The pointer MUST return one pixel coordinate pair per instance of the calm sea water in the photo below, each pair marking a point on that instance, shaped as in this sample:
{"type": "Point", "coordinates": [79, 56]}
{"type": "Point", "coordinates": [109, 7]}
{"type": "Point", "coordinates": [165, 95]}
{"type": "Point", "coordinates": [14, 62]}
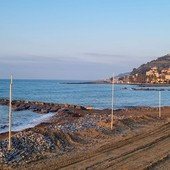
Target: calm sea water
{"type": "Point", "coordinates": [96, 95]}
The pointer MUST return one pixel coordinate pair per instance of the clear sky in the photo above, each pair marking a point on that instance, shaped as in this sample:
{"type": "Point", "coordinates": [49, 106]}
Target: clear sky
{"type": "Point", "coordinates": [80, 39]}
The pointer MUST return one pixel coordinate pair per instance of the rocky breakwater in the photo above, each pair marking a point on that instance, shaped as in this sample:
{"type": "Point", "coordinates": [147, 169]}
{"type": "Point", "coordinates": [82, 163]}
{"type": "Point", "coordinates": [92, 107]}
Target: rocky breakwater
{"type": "Point", "coordinates": [150, 89]}
{"type": "Point", "coordinates": [39, 107]}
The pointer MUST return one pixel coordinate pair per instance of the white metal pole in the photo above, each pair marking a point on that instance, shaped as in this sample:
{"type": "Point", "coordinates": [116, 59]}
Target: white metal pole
{"type": "Point", "coordinates": [159, 103]}
{"type": "Point", "coordinates": [112, 102]}
{"type": "Point", "coordinates": [10, 114]}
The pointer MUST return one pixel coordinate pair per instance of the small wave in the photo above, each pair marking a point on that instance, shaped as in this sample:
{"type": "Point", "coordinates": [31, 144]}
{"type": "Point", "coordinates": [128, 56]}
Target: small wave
{"type": "Point", "coordinates": [34, 122]}
{"type": "Point", "coordinates": [43, 117]}
{"type": "Point", "coordinates": [27, 124]}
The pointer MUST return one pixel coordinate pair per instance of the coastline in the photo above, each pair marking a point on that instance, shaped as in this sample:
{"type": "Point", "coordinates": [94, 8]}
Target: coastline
{"type": "Point", "coordinates": [106, 82]}
{"type": "Point", "coordinates": [73, 131]}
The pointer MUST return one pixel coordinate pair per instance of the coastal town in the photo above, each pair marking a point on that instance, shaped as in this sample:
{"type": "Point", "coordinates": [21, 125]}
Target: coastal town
{"type": "Point", "coordinates": [153, 72]}
{"type": "Point", "coordinates": [153, 76]}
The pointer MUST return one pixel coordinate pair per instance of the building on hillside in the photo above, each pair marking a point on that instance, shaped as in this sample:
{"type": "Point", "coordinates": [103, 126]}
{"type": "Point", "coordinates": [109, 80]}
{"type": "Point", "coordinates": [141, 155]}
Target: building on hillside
{"type": "Point", "coordinates": [153, 72]}
{"type": "Point", "coordinates": [167, 77]}
{"type": "Point", "coordinates": [153, 76]}
{"type": "Point", "coordinates": [166, 71]}
{"type": "Point", "coordinates": [149, 73]}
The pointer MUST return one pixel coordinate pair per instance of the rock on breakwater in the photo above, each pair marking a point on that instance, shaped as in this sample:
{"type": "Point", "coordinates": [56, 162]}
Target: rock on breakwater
{"type": "Point", "coordinates": [39, 107]}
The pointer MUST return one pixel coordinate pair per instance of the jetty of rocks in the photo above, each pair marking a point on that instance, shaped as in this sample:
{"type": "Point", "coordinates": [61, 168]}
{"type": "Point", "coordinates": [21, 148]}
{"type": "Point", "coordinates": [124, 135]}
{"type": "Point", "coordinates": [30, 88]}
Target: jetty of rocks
{"type": "Point", "coordinates": [39, 107]}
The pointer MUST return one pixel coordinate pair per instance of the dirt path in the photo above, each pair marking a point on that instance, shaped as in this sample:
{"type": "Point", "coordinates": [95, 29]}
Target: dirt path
{"type": "Point", "coordinates": [145, 151]}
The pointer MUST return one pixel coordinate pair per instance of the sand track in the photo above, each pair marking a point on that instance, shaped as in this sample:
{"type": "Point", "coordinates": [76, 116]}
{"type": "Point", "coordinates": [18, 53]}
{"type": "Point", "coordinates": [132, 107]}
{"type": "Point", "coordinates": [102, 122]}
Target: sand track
{"type": "Point", "coordinates": [148, 150]}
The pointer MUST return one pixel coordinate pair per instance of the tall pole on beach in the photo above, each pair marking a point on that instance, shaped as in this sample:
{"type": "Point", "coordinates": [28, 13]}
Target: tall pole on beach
{"type": "Point", "coordinates": [112, 102]}
{"type": "Point", "coordinates": [160, 104]}
{"type": "Point", "coordinates": [10, 114]}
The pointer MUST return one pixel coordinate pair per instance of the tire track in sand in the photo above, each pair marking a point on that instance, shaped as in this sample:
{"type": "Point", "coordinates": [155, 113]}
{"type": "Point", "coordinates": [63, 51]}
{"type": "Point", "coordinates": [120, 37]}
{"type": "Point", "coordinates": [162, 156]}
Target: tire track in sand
{"type": "Point", "coordinates": [138, 152]}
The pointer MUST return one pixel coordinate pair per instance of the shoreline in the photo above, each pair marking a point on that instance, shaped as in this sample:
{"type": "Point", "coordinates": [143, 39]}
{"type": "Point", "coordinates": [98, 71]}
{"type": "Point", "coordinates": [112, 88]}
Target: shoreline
{"type": "Point", "coordinates": [106, 82]}
{"type": "Point", "coordinates": [45, 107]}
{"type": "Point", "coordinates": [58, 110]}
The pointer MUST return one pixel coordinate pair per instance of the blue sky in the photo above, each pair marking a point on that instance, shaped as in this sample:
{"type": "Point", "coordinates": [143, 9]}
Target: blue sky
{"type": "Point", "coordinates": [80, 39]}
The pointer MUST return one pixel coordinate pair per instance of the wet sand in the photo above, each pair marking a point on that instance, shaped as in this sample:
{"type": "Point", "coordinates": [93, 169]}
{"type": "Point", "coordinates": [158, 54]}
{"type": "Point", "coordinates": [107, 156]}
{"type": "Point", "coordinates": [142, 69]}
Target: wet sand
{"type": "Point", "coordinates": [82, 139]}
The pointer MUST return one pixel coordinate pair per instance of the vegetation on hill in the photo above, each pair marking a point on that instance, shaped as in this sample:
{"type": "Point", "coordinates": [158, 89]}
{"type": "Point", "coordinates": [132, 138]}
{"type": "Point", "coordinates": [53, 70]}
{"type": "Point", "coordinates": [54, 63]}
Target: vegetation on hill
{"type": "Point", "coordinates": [161, 63]}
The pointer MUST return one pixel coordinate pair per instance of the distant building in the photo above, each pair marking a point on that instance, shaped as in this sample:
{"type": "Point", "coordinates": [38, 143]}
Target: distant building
{"type": "Point", "coordinates": [152, 72]}
{"type": "Point", "coordinates": [166, 71]}
{"type": "Point", "coordinates": [164, 76]}
{"type": "Point", "coordinates": [149, 73]}
{"type": "Point", "coordinates": [167, 77]}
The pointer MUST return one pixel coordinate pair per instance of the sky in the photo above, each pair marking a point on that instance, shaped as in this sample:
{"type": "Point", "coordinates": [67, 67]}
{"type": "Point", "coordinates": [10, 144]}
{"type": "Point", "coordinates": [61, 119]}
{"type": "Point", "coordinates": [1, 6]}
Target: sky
{"type": "Point", "coordinates": [80, 39]}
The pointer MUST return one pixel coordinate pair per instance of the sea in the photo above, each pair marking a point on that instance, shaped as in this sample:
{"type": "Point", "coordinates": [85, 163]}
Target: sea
{"type": "Point", "coordinates": [99, 96]}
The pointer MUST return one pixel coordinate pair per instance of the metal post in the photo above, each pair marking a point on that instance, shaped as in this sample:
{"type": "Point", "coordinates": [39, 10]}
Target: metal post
{"type": "Point", "coordinates": [112, 102]}
{"type": "Point", "coordinates": [10, 114]}
{"type": "Point", "coordinates": [160, 104]}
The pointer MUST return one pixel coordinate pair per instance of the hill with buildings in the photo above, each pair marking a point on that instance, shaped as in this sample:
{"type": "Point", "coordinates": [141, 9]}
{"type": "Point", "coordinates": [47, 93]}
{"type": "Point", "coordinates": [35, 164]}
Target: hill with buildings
{"type": "Point", "coordinates": [156, 72]}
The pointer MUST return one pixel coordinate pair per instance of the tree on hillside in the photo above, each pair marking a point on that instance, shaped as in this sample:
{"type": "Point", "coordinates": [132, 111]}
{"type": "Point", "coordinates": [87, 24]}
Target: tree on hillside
{"type": "Point", "coordinates": [141, 78]}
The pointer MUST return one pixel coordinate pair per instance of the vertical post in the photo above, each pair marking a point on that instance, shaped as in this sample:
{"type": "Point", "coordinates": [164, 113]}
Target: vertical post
{"type": "Point", "coordinates": [10, 114]}
{"type": "Point", "coordinates": [112, 102]}
{"type": "Point", "coordinates": [160, 104]}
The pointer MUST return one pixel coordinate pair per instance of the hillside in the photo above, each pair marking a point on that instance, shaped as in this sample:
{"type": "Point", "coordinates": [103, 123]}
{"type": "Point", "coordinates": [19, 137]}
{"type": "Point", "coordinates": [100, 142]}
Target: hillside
{"type": "Point", "coordinates": [161, 63]}
{"type": "Point", "coordinates": [153, 72]}
{"type": "Point", "coordinates": [122, 75]}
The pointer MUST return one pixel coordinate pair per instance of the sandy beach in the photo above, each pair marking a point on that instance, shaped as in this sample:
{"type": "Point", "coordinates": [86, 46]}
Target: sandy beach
{"type": "Point", "coordinates": [76, 138]}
